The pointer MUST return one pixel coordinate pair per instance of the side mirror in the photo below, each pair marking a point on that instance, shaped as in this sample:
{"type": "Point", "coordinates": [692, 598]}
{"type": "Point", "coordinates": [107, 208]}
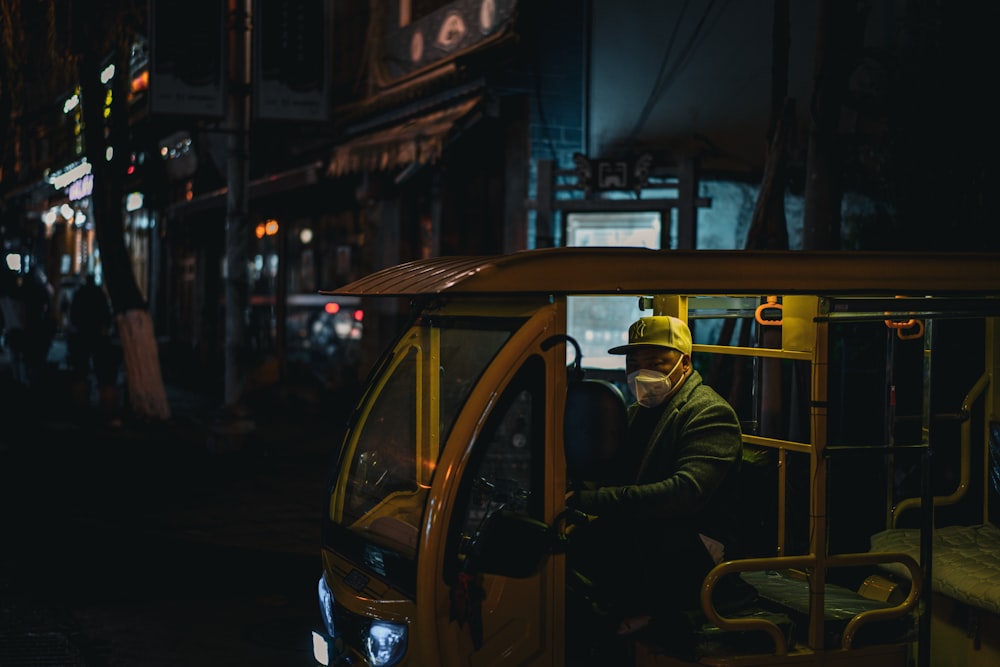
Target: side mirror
{"type": "Point", "coordinates": [510, 545]}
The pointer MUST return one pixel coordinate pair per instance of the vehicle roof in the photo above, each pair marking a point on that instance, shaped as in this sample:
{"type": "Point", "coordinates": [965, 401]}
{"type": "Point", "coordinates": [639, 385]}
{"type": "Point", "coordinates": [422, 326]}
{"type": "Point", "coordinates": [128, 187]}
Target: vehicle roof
{"type": "Point", "coordinates": [600, 270]}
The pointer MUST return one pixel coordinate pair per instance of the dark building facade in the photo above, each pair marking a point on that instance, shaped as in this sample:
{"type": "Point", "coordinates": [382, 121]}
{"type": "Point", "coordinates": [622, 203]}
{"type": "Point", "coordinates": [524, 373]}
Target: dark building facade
{"type": "Point", "coordinates": [391, 130]}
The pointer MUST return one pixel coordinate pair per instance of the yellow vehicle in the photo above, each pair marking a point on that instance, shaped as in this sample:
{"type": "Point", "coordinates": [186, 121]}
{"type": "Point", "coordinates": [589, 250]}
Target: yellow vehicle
{"type": "Point", "coordinates": [448, 541]}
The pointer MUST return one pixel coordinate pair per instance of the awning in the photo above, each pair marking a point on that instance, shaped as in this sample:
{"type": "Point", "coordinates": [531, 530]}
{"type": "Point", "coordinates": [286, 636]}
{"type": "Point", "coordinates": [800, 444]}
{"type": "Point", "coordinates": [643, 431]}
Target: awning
{"type": "Point", "coordinates": [417, 141]}
{"type": "Point", "coordinates": [261, 187]}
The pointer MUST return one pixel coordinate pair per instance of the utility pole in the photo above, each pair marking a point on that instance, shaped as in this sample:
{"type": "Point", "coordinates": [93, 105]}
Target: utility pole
{"type": "Point", "coordinates": [236, 418]}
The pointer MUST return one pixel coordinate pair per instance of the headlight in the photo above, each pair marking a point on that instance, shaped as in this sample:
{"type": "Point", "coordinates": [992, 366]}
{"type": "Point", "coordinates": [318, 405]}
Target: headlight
{"type": "Point", "coordinates": [326, 606]}
{"type": "Point", "coordinates": [385, 643]}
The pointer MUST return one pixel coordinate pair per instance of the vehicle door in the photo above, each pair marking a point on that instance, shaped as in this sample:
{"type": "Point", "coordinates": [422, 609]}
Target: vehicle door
{"type": "Point", "coordinates": [512, 460]}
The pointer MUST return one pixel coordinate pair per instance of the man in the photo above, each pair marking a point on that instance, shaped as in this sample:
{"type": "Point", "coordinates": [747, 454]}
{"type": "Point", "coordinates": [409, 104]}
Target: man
{"type": "Point", "coordinates": [673, 498]}
{"type": "Point", "coordinates": [39, 324]}
{"type": "Point", "coordinates": [12, 323]}
{"type": "Point", "coordinates": [89, 333]}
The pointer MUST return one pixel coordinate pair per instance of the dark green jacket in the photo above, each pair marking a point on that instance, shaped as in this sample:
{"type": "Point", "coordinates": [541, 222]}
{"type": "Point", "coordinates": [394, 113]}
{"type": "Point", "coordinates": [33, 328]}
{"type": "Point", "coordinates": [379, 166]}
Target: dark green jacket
{"type": "Point", "coordinates": [688, 470]}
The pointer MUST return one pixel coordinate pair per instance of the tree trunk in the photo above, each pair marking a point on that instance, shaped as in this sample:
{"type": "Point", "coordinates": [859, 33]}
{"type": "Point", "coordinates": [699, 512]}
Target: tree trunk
{"type": "Point", "coordinates": [237, 232]}
{"type": "Point", "coordinates": [768, 226]}
{"type": "Point", "coordinates": [838, 45]}
{"type": "Point", "coordinates": [769, 231]}
{"type": "Point", "coordinates": [146, 393]}
{"type": "Point", "coordinates": [147, 397]}
{"type": "Point", "coordinates": [12, 101]}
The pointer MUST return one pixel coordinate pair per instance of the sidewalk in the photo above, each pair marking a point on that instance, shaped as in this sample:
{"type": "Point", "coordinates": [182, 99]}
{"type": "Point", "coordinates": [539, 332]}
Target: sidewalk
{"type": "Point", "coordinates": [262, 488]}
{"type": "Point", "coordinates": [73, 479]}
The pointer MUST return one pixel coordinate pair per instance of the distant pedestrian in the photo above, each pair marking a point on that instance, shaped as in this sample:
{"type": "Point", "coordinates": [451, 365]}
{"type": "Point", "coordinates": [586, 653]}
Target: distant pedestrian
{"type": "Point", "coordinates": [13, 320]}
{"type": "Point", "coordinates": [89, 335]}
{"type": "Point", "coordinates": [40, 324]}
{"type": "Point", "coordinates": [65, 297]}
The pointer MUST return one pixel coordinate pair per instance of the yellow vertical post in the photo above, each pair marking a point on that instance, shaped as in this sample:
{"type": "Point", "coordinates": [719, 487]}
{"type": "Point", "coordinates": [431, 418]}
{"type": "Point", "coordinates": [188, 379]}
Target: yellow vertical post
{"type": "Point", "coordinates": [992, 407]}
{"type": "Point", "coordinates": [798, 334]}
{"type": "Point", "coordinates": [428, 407]}
{"type": "Point", "coordinates": [817, 500]}
{"type": "Point", "coordinates": [671, 304]}
{"type": "Point", "coordinates": [782, 499]}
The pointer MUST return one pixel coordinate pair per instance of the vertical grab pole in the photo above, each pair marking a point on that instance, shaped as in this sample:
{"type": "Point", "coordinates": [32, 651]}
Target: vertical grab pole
{"type": "Point", "coordinates": [992, 405]}
{"type": "Point", "coordinates": [782, 499]}
{"type": "Point", "coordinates": [817, 500]}
{"type": "Point", "coordinates": [927, 507]}
{"type": "Point", "coordinates": [889, 432]}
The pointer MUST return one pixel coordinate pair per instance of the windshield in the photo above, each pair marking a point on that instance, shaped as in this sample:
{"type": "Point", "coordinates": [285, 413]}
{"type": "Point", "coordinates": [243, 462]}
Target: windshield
{"type": "Point", "coordinates": [392, 454]}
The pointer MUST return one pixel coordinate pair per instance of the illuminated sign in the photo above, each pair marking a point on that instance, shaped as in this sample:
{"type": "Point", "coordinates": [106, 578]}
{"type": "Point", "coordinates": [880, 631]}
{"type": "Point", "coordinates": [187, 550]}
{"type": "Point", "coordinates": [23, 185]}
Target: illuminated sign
{"type": "Point", "coordinates": [80, 188]}
{"type": "Point", "coordinates": [71, 173]}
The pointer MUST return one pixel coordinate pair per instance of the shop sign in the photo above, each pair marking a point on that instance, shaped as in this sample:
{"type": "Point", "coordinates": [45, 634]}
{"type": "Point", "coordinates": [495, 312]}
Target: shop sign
{"type": "Point", "coordinates": [73, 172]}
{"type": "Point", "coordinates": [80, 188]}
{"type": "Point", "coordinates": [604, 175]}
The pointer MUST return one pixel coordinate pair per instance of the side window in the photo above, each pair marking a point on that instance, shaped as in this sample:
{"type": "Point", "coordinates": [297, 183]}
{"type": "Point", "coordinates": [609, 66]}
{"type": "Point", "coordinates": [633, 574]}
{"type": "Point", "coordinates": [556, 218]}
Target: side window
{"type": "Point", "coordinates": [506, 468]}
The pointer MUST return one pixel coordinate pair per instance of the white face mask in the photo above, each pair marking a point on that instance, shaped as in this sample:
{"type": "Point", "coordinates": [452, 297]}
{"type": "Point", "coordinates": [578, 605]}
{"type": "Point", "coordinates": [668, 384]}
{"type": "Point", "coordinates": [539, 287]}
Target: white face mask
{"type": "Point", "coordinates": [652, 388]}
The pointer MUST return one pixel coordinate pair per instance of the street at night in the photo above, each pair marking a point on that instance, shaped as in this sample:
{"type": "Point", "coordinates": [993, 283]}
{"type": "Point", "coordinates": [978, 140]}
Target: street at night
{"type": "Point", "coordinates": [133, 544]}
{"type": "Point", "coordinates": [329, 329]}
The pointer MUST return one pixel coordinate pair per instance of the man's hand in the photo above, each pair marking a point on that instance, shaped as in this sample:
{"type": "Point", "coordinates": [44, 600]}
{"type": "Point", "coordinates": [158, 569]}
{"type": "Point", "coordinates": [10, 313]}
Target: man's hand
{"type": "Point", "coordinates": [574, 516]}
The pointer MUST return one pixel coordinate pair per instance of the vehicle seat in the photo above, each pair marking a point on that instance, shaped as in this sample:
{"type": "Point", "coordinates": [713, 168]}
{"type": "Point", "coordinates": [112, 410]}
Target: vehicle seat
{"type": "Point", "coordinates": [594, 427]}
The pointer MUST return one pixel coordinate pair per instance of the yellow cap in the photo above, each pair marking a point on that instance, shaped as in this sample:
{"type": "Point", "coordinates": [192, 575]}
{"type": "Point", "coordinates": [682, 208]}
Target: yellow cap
{"type": "Point", "coordinates": [658, 330]}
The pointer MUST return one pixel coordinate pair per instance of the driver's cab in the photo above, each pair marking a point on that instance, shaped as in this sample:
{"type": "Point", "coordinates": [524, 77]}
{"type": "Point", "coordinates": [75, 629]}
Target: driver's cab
{"type": "Point", "coordinates": [457, 426]}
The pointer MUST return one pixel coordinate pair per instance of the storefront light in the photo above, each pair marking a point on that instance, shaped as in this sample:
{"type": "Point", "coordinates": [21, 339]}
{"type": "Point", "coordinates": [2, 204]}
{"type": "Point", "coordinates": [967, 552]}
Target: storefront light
{"type": "Point", "coordinates": [133, 201]}
{"type": "Point", "coordinates": [67, 211]}
{"type": "Point", "coordinates": [71, 103]}
{"type": "Point", "coordinates": [267, 228]}
{"type": "Point", "coordinates": [81, 188]}
{"type": "Point", "coordinates": [140, 82]}
{"type": "Point", "coordinates": [342, 326]}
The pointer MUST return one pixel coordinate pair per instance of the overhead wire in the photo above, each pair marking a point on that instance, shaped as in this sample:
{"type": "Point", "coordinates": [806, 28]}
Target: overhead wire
{"type": "Point", "coordinates": [666, 77]}
{"type": "Point", "coordinates": [650, 99]}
